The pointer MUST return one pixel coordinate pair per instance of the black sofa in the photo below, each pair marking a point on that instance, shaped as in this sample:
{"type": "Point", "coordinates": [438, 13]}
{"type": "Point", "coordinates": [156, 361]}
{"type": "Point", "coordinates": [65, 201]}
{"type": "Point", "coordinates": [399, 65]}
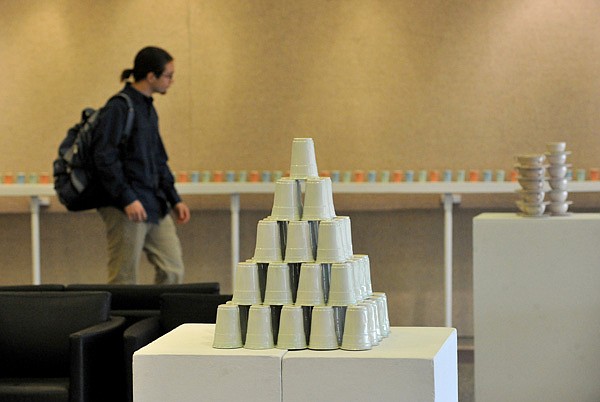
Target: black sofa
{"type": "Point", "coordinates": [59, 347]}
{"type": "Point", "coordinates": [136, 302]}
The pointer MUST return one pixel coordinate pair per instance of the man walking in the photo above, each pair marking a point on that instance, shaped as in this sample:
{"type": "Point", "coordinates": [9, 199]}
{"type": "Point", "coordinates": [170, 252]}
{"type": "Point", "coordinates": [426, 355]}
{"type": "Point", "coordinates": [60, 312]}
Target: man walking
{"type": "Point", "coordinates": [140, 188]}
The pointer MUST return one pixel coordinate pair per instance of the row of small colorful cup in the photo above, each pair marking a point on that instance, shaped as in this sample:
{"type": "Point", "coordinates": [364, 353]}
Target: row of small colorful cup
{"type": "Point", "coordinates": [447, 175]}
{"type": "Point", "coordinates": [348, 176]}
{"type": "Point", "coordinates": [408, 176]}
{"type": "Point", "coordinates": [337, 176]}
{"type": "Point", "coordinates": [218, 176]}
{"type": "Point", "coordinates": [25, 178]}
{"type": "Point", "coordinates": [373, 176]}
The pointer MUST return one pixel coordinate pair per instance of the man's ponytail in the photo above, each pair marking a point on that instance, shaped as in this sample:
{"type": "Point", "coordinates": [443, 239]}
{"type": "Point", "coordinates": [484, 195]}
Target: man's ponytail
{"type": "Point", "coordinates": [126, 74]}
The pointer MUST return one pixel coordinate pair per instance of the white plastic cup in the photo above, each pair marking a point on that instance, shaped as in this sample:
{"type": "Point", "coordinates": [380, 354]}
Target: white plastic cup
{"type": "Point", "coordinates": [366, 272]}
{"type": "Point", "coordinates": [347, 234]}
{"type": "Point", "coordinates": [318, 200]}
{"type": "Point", "coordinates": [329, 195]}
{"type": "Point", "coordinates": [228, 333]}
{"type": "Point", "coordinates": [287, 201]}
{"type": "Point", "coordinates": [304, 161]}
{"type": "Point", "coordinates": [330, 243]}
{"type": "Point", "coordinates": [367, 269]}
{"type": "Point", "coordinates": [384, 319]}
{"type": "Point", "coordinates": [356, 329]}
{"type": "Point", "coordinates": [246, 290]}
{"type": "Point", "coordinates": [299, 246]}
{"type": "Point", "coordinates": [341, 287]}
{"type": "Point", "coordinates": [357, 269]}
{"type": "Point", "coordinates": [310, 285]}
{"type": "Point", "coordinates": [259, 334]}
{"type": "Point", "coordinates": [291, 328]}
{"type": "Point", "coordinates": [322, 329]}
{"type": "Point", "coordinates": [360, 275]}
{"type": "Point", "coordinates": [383, 330]}
{"type": "Point", "coordinates": [374, 328]}
{"type": "Point", "coordinates": [268, 242]}
{"type": "Point", "coordinates": [278, 290]}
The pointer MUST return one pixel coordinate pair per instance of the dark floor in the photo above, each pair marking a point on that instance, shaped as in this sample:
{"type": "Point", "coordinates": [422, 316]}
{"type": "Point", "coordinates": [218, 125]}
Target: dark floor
{"type": "Point", "coordinates": [466, 383]}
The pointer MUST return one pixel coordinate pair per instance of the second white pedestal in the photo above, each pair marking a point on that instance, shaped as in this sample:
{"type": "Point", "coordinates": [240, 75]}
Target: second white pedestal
{"type": "Point", "coordinates": [536, 303]}
{"type": "Point", "coordinates": [413, 364]}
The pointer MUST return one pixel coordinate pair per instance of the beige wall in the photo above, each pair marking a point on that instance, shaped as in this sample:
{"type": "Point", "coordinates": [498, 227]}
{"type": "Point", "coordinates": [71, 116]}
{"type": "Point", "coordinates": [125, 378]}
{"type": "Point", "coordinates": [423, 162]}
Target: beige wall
{"type": "Point", "coordinates": [377, 84]}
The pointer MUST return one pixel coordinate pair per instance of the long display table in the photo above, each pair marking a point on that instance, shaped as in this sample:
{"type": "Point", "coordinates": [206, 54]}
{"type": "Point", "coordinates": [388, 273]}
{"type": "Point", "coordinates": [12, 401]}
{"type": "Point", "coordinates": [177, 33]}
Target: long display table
{"type": "Point", "coordinates": [536, 303]}
{"type": "Point", "coordinates": [413, 364]}
{"type": "Point", "coordinates": [447, 190]}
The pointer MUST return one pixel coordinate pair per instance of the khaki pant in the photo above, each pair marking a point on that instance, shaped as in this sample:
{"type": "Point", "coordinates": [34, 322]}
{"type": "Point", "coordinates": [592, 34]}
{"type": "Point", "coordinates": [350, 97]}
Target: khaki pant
{"type": "Point", "coordinates": [127, 239]}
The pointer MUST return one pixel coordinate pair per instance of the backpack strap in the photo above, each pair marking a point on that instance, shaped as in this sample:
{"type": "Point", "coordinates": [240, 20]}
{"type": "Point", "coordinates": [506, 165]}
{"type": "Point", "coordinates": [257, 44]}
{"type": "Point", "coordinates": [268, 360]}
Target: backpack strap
{"type": "Point", "coordinates": [130, 115]}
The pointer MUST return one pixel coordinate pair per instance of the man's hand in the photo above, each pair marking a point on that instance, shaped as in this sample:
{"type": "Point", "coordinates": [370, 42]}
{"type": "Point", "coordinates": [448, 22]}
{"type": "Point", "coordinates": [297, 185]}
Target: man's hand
{"type": "Point", "coordinates": [136, 212]}
{"type": "Point", "coordinates": [182, 212]}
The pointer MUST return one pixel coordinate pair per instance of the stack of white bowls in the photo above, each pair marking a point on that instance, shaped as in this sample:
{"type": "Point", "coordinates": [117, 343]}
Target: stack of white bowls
{"type": "Point", "coordinates": [532, 176]}
{"type": "Point", "coordinates": [557, 170]}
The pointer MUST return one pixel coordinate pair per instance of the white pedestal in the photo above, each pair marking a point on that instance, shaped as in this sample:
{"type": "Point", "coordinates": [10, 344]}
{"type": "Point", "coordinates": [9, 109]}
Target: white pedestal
{"type": "Point", "coordinates": [183, 366]}
{"type": "Point", "coordinates": [413, 364]}
{"type": "Point", "coordinates": [536, 307]}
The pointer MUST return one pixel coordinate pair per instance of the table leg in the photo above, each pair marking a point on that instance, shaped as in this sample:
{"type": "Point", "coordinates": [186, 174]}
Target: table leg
{"type": "Point", "coordinates": [448, 200]}
{"type": "Point", "coordinates": [35, 239]}
{"type": "Point", "coordinates": [235, 233]}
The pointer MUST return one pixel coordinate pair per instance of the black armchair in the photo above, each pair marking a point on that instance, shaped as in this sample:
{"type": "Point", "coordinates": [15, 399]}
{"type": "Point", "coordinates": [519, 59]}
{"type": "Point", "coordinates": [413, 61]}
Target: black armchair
{"type": "Point", "coordinates": [136, 302]}
{"type": "Point", "coordinates": [59, 346]}
{"type": "Point", "coordinates": [33, 288]}
{"type": "Point", "coordinates": [175, 309]}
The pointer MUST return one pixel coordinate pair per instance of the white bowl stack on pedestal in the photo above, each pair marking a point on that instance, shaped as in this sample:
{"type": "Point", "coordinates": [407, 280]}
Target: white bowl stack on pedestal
{"type": "Point", "coordinates": [532, 177]}
{"type": "Point", "coordinates": [305, 272]}
{"type": "Point", "coordinates": [557, 156]}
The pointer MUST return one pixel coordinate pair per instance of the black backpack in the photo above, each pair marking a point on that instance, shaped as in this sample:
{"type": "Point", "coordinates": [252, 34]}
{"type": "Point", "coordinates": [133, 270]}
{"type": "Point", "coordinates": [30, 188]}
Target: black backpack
{"type": "Point", "coordinates": [75, 179]}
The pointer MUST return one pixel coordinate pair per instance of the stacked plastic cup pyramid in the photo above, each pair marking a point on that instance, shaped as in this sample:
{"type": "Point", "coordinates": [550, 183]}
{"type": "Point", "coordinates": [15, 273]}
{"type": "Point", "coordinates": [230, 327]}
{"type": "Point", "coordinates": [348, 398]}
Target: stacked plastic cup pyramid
{"type": "Point", "coordinates": [304, 287]}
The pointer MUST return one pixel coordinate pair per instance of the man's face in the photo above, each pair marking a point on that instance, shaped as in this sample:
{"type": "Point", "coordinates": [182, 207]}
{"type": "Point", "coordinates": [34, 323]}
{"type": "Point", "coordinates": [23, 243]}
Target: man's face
{"type": "Point", "coordinates": [161, 83]}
